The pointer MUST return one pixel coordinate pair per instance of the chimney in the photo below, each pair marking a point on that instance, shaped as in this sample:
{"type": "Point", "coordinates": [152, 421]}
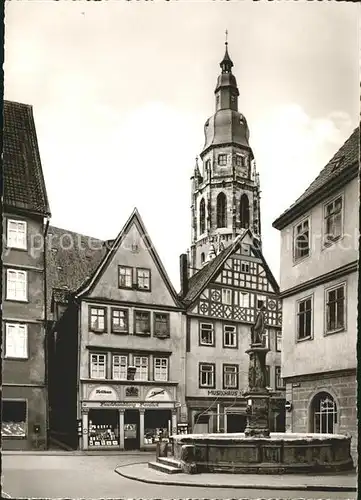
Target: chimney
{"type": "Point", "coordinates": [183, 260]}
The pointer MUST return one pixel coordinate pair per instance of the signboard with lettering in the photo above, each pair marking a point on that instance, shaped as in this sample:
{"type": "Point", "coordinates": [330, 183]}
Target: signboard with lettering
{"type": "Point", "coordinates": [157, 394]}
{"type": "Point", "coordinates": [130, 404]}
{"type": "Point", "coordinates": [227, 393]}
{"type": "Point", "coordinates": [103, 393]}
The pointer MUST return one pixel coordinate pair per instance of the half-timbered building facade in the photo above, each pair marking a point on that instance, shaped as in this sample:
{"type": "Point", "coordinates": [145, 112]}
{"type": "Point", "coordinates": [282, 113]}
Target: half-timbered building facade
{"type": "Point", "coordinates": [222, 301]}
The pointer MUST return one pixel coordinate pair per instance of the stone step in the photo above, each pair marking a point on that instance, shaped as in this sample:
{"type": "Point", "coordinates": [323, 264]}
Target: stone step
{"type": "Point", "coordinates": [168, 469]}
{"type": "Point", "coordinates": [169, 461]}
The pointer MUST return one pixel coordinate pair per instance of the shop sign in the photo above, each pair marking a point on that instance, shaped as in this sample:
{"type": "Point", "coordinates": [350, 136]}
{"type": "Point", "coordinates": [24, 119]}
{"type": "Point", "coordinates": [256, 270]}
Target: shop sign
{"type": "Point", "coordinates": [157, 394]}
{"type": "Point", "coordinates": [227, 393]}
{"type": "Point", "coordinates": [130, 404]}
{"type": "Point", "coordinates": [103, 392]}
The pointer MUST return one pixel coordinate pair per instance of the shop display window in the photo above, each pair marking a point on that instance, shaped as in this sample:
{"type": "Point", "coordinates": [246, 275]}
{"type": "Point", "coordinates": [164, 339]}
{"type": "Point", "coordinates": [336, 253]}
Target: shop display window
{"type": "Point", "coordinates": [156, 425]}
{"type": "Point", "coordinates": [103, 428]}
{"type": "Point", "coordinates": [13, 419]}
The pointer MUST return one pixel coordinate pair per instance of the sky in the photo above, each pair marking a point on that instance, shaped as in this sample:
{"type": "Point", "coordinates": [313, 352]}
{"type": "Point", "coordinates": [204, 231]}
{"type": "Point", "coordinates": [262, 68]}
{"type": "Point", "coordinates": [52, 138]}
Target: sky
{"type": "Point", "coordinates": [121, 91]}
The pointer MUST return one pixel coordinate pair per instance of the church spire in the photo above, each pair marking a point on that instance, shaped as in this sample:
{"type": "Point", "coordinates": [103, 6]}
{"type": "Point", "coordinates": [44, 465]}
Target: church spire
{"type": "Point", "coordinates": [226, 64]}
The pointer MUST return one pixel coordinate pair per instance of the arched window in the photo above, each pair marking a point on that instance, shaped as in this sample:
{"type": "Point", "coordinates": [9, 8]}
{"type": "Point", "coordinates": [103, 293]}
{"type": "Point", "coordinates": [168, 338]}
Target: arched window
{"type": "Point", "coordinates": [203, 258]}
{"type": "Point", "coordinates": [324, 413]}
{"type": "Point", "coordinates": [202, 216]}
{"type": "Point", "coordinates": [221, 210]}
{"type": "Point", "coordinates": [244, 211]}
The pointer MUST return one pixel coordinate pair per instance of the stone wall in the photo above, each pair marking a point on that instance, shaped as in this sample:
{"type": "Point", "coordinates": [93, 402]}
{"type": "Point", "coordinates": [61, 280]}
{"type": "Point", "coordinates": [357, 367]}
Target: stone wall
{"type": "Point", "coordinates": [341, 385]}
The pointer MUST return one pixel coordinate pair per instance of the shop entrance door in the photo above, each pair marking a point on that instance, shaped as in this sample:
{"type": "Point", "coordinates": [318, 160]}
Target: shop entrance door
{"type": "Point", "coordinates": [131, 430]}
{"type": "Point", "coordinates": [236, 422]}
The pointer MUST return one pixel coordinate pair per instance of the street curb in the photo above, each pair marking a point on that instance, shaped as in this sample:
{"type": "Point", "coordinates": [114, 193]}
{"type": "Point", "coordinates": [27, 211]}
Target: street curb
{"type": "Point", "coordinates": [303, 487]}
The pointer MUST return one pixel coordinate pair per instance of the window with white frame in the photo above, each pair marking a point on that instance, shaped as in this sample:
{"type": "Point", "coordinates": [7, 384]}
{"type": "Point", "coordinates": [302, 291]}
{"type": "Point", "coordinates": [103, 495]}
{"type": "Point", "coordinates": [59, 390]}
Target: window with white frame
{"type": "Point", "coordinates": [335, 308]}
{"type": "Point", "coordinates": [16, 285]}
{"type": "Point", "coordinates": [333, 220]}
{"type": "Point", "coordinates": [206, 334]}
{"type": "Point", "coordinates": [120, 367]}
{"type": "Point", "coordinates": [160, 369]}
{"type": "Point", "coordinates": [229, 336]}
{"type": "Point", "coordinates": [125, 277]}
{"type": "Point", "coordinates": [143, 279]}
{"type": "Point", "coordinates": [97, 319]}
{"type": "Point", "coordinates": [207, 375]}
{"type": "Point", "coordinates": [119, 320]}
{"type": "Point", "coordinates": [278, 379]}
{"type": "Point", "coordinates": [304, 319]}
{"type": "Point", "coordinates": [230, 377]}
{"type": "Point", "coordinates": [16, 237]}
{"type": "Point", "coordinates": [278, 341]}
{"type": "Point", "coordinates": [301, 240]}
{"type": "Point", "coordinates": [241, 298]}
{"type": "Point", "coordinates": [142, 367]}
{"type": "Point", "coordinates": [16, 341]}
{"type": "Point", "coordinates": [98, 365]}
{"type": "Point", "coordinates": [227, 296]}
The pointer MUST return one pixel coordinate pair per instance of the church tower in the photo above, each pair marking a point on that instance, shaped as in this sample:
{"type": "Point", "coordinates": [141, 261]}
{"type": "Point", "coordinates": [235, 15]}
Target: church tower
{"type": "Point", "coordinates": [225, 185]}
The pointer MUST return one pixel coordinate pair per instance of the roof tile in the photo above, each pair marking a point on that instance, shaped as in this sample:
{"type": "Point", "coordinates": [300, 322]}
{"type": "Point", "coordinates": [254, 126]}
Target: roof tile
{"type": "Point", "coordinates": [24, 185]}
{"type": "Point", "coordinates": [71, 259]}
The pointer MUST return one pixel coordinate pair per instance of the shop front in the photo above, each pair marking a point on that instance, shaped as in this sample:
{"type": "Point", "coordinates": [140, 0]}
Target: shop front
{"type": "Point", "coordinates": [222, 413]}
{"type": "Point", "coordinates": [110, 420]}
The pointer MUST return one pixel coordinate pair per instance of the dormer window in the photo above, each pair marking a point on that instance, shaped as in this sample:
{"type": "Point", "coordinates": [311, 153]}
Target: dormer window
{"type": "Point", "coordinates": [222, 160]}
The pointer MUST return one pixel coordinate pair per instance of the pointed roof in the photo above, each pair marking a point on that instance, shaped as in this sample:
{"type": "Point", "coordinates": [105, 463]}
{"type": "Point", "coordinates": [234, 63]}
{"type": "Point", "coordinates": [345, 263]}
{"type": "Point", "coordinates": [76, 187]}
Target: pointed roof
{"type": "Point", "coordinates": [134, 218]}
{"type": "Point", "coordinates": [24, 185]}
{"type": "Point", "coordinates": [343, 162]}
{"type": "Point", "coordinates": [226, 64]}
{"type": "Point", "coordinates": [200, 280]}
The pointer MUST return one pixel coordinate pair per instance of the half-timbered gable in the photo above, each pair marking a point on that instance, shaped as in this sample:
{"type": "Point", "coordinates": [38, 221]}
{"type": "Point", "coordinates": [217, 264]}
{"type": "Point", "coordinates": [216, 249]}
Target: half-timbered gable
{"type": "Point", "coordinates": [241, 284]}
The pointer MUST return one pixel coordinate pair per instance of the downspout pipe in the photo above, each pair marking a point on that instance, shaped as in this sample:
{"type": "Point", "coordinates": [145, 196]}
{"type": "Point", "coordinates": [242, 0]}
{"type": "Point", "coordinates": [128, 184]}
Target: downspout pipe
{"type": "Point", "coordinates": [46, 340]}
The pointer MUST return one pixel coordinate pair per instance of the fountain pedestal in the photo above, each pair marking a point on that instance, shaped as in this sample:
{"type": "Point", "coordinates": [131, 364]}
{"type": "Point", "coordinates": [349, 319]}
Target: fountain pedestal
{"type": "Point", "coordinates": [258, 397]}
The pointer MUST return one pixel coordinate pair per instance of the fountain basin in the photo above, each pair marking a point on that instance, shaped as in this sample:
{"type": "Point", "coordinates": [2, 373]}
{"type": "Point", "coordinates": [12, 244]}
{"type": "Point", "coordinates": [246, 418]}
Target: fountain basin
{"type": "Point", "coordinates": [278, 454]}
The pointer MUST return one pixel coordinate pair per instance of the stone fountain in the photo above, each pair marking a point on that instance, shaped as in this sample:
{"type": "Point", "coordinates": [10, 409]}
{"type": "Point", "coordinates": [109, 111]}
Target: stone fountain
{"type": "Point", "coordinates": [257, 450]}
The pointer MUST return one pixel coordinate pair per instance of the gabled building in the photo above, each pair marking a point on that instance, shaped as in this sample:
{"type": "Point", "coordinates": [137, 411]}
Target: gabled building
{"type": "Point", "coordinates": [227, 281]}
{"type": "Point", "coordinates": [319, 256]}
{"type": "Point", "coordinates": [124, 330]}
{"type": "Point", "coordinates": [222, 301]}
{"type": "Point", "coordinates": [26, 216]}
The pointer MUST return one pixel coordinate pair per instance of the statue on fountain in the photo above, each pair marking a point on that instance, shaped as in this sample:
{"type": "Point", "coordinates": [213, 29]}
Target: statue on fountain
{"type": "Point", "coordinates": [257, 330]}
{"type": "Point", "coordinates": [258, 396]}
